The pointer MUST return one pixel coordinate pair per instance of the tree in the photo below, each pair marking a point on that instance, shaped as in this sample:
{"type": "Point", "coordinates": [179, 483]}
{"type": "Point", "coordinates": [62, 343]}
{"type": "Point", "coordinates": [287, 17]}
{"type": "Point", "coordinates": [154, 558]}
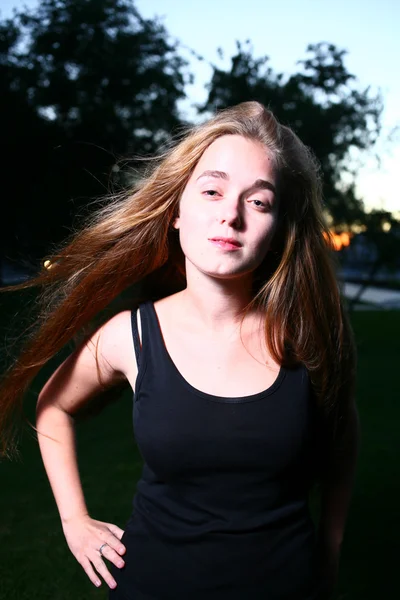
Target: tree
{"type": "Point", "coordinates": [84, 83]}
{"type": "Point", "coordinates": [320, 103]}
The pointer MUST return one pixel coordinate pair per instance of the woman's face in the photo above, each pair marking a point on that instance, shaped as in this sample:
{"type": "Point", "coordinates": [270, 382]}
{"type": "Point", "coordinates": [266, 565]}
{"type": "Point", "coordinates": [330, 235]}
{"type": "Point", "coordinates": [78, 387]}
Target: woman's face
{"type": "Point", "coordinates": [229, 210]}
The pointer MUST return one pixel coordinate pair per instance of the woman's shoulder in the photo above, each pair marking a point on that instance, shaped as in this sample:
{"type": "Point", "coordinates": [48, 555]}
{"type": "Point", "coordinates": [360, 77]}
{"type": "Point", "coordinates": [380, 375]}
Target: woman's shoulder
{"type": "Point", "coordinates": [168, 302]}
{"type": "Point", "coordinates": [168, 308]}
{"type": "Point", "coordinates": [116, 341]}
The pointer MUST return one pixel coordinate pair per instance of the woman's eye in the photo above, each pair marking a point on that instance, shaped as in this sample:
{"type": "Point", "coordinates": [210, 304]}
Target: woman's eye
{"type": "Point", "coordinates": [259, 203]}
{"type": "Point", "coordinates": [210, 193]}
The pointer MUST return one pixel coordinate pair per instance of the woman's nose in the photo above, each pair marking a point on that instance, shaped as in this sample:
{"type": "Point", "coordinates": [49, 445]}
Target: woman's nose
{"type": "Point", "coordinates": [230, 213]}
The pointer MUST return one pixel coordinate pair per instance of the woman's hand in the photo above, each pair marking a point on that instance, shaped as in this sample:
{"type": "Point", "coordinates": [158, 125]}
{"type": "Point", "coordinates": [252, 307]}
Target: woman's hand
{"type": "Point", "coordinates": [85, 536]}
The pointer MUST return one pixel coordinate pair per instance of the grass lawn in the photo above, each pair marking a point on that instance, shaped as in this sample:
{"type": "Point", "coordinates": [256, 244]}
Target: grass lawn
{"type": "Point", "coordinates": [35, 562]}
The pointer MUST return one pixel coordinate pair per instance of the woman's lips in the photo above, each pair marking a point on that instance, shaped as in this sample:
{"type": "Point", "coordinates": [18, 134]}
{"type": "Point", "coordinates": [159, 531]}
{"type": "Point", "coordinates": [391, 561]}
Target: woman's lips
{"type": "Point", "coordinates": [226, 243]}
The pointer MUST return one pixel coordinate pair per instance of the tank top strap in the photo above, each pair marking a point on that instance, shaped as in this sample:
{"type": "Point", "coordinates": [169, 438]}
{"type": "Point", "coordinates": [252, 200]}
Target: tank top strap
{"type": "Point", "coordinates": [135, 336]}
{"type": "Point", "coordinates": [153, 350]}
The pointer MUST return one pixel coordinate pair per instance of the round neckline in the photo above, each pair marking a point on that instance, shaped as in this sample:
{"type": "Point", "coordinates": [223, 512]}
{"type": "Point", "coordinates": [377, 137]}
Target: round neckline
{"type": "Point", "coordinates": [212, 397]}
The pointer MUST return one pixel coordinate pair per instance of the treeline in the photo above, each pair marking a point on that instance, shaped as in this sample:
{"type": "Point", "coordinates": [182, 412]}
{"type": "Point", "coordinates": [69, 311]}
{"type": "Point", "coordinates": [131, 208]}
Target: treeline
{"type": "Point", "coordinates": [84, 85]}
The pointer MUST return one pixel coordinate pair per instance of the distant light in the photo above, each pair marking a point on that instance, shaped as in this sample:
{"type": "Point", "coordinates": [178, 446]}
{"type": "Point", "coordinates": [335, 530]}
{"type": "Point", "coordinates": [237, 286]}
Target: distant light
{"type": "Point", "coordinates": [339, 240]}
{"type": "Point", "coordinates": [387, 226]}
{"type": "Point", "coordinates": [357, 228]}
{"type": "Point", "coordinates": [345, 239]}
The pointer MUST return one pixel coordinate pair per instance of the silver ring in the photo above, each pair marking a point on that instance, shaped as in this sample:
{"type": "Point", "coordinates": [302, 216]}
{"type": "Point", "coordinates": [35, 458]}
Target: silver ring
{"type": "Point", "coordinates": [101, 548]}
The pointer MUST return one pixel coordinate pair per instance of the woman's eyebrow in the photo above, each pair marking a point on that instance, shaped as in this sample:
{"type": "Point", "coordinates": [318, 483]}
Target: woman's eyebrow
{"type": "Point", "coordinates": [258, 184]}
{"type": "Point", "coordinates": [216, 174]}
{"type": "Point", "coordinates": [263, 184]}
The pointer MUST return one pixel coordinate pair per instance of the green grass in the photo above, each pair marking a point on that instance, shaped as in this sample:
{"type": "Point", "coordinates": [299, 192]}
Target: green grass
{"type": "Point", "coordinates": [35, 562]}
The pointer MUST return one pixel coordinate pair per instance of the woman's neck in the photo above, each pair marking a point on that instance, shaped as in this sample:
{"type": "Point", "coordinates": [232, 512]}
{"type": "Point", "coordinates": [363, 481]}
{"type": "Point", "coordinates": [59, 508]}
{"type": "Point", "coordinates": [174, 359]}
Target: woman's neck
{"type": "Point", "coordinates": [218, 304]}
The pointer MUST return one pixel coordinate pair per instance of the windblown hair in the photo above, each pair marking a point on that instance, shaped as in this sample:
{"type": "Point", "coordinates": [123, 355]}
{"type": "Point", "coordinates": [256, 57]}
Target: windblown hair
{"type": "Point", "coordinates": [131, 238]}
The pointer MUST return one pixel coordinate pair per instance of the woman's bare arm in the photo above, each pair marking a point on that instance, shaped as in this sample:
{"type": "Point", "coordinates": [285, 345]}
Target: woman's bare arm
{"type": "Point", "coordinates": [336, 492]}
{"type": "Point", "coordinates": [76, 381]}
{"type": "Point", "coordinates": [337, 485]}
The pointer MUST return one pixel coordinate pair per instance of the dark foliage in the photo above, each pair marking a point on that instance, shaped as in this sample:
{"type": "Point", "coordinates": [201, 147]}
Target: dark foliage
{"type": "Point", "coordinates": [82, 85]}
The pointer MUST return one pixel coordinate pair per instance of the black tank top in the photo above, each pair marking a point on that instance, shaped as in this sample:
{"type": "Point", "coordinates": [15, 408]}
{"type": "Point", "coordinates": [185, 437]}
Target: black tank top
{"type": "Point", "coordinates": [221, 510]}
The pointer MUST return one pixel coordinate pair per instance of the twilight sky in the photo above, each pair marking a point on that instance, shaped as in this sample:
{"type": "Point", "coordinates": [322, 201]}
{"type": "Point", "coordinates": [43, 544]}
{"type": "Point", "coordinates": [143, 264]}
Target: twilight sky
{"type": "Point", "coordinates": [368, 29]}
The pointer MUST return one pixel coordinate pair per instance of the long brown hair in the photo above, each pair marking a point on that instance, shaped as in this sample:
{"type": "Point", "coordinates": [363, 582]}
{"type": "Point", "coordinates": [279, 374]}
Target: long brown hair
{"type": "Point", "coordinates": [130, 238]}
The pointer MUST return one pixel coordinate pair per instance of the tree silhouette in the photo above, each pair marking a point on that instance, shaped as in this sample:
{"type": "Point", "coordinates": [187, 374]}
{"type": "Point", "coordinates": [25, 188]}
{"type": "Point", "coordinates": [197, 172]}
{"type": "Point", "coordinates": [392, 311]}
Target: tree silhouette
{"type": "Point", "coordinates": [84, 83]}
{"type": "Point", "coordinates": [320, 103]}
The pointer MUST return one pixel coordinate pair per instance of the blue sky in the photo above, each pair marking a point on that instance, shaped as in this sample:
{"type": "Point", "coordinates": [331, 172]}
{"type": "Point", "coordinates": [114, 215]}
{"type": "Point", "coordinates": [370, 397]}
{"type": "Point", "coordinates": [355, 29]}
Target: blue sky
{"type": "Point", "coordinates": [282, 29]}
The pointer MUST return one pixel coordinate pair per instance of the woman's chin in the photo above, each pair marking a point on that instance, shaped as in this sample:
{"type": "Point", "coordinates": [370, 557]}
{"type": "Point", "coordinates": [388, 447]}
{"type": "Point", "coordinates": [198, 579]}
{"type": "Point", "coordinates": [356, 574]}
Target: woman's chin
{"type": "Point", "coordinates": [225, 274]}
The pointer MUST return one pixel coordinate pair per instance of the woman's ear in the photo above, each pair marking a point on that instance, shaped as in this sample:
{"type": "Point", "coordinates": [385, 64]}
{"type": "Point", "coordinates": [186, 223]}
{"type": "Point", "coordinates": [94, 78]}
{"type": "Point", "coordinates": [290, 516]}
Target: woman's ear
{"type": "Point", "coordinates": [175, 223]}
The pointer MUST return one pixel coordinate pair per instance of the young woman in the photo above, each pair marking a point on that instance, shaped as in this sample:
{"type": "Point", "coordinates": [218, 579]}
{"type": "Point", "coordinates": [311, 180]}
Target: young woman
{"type": "Point", "coordinates": [243, 372]}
